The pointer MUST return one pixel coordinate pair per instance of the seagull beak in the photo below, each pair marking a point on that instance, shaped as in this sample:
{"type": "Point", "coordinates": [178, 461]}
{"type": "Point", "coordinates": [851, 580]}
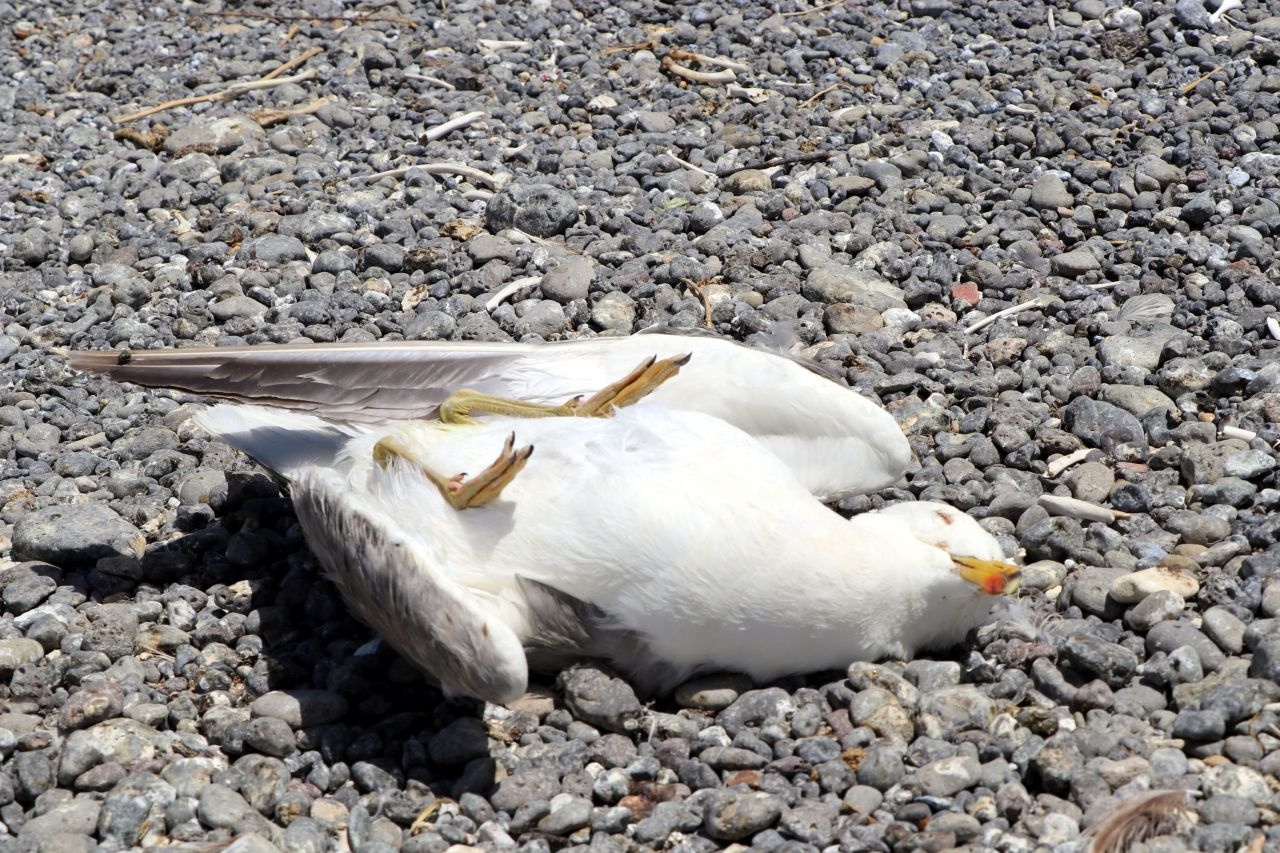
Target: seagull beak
{"type": "Point", "coordinates": [991, 576]}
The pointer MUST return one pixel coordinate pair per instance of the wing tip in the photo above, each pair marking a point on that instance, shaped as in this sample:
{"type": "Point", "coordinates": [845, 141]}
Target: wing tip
{"type": "Point", "coordinates": [98, 361]}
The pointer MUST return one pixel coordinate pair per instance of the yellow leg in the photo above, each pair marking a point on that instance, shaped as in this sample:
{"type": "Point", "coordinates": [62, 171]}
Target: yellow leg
{"type": "Point", "coordinates": [461, 491]}
{"type": "Point", "coordinates": [633, 387]}
{"type": "Point", "coordinates": [459, 406]}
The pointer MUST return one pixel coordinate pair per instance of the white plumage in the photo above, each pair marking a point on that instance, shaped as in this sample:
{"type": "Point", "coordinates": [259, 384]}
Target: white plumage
{"type": "Point", "coordinates": [834, 440]}
{"type": "Point", "coordinates": [668, 541]}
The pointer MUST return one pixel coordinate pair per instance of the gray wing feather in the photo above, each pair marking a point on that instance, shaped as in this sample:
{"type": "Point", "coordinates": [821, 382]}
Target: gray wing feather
{"type": "Point", "coordinates": [434, 622]}
{"type": "Point", "coordinates": [356, 383]}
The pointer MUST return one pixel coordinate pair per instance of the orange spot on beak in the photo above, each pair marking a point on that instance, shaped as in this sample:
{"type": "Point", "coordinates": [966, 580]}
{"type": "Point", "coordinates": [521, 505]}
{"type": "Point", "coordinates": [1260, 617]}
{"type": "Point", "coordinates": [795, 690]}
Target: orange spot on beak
{"type": "Point", "coordinates": [991, 576]}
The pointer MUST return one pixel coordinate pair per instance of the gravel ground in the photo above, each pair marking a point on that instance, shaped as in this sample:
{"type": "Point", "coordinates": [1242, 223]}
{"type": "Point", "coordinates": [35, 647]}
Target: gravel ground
{"type": "Point", "coordinates": [1100, 179]}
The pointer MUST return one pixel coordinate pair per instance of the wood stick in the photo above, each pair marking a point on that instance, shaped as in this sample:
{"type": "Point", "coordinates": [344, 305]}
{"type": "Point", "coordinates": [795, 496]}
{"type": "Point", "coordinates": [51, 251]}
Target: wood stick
{"type": "Point", "coordinates": [272, 116]}
{"type": "Point", "coordinates": [223, 95]}
{"type": "Point", "coordinates": [343, 19]}
{"type": "Point", "coordinates": [1030, 305]}
{"type": "Point", "coordinates": [451, 125]}
{"type": "Point", "coordinates": [1187, 89]}
{"type": "Point", "coordinates": [689, 165]}
{"type": "Point", "coordinates": [1062, 463]}
{"type": "Point", "coordinates": [436, 169]}
{"type": "Point", "coordinates": [501, 44]}
{"type": "Point", "coordinates": [699, 289]}
{"type": "Point", "coordinates": [686, 56]}
{"type": "Point", "coordinates": [821, 8]}
{"type": "Point", "coordinates": [810, 100]}
{"type": "Point", "coordinates": [507, 290]}
{"type": "Point", "coordinates": [726, 76]}
{"type": "Point", "coordinates": [773, 162]}
{"type": "Point", "coordinates": [427, 78]}
{"type": "Point", "coordinates": [295, 62]}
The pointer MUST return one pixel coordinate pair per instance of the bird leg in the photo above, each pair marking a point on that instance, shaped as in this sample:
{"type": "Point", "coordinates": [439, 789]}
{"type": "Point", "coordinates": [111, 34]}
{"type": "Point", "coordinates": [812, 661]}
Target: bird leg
{"type": "Point", "coordinates": [459, 406]}
{"type": "Point", "coordinates": [461, 491]}
{"type": "Point", "coordinates": [633, 387]}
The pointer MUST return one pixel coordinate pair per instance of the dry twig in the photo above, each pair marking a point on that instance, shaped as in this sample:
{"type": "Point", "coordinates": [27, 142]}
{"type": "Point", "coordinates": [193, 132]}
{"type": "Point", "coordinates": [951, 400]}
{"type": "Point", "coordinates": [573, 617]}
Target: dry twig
{"type": "Point", "coordinates": [458, 169]}
{"type": "Point", "coordinates": [501, 44]}
{"type": "Point", "coordinates": [434, 133]}
{"type": "Point", "coordinates": [507, 290]}
{"type": "Point", "coordinates": [689, 165]}
{"type": "Point", "coordinates": [427, 78]}
{"type": "Point", "coordinates": [1062, 463]}
{"type": "Point", "coordinates": [725, 76]}
{"type": "Point", "coordinates": [622, 48]}
{"type": "Point", "coordinates": [1190, 87]}
{"type": "Point", "coordinates": [813, 98]}
{"type": "Point", "coordinates": [1030, 305]}
{"type": "Point", "coordinates": [271, 116]}
{"type": "Point", "coordinates": [265, 82]}
{"type": "Point", "coordinates": [774, 162]}
{"type": "Point", "coordinates": [686, 56]}
{"type": "Point", "coordinates": [700, 287]}
{"type": "Point", "coordinates": [342, 19]}
{"type": "Point", "coordinates": [821, 8]}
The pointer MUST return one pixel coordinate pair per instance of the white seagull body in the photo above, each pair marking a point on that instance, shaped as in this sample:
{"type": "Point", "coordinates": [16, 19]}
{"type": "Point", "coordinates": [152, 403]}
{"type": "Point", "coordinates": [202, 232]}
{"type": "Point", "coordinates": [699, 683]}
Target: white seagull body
{"type": "Point", "coordinates": [835, 441]}
{"type": "Point", "coordinates": [669, 542]}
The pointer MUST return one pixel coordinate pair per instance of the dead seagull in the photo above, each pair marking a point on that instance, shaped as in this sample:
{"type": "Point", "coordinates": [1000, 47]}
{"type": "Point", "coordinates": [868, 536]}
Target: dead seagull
{"type": "Point", "coordinates": [835, 441]}
{"type": "Point", "coordinates": [668, 542]}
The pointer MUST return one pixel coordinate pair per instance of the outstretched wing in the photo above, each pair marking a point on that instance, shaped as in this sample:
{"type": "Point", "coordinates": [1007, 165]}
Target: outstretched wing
{"type": "Point", "coordinates": [357, 383]}
{"type": "Point", "coordinates": [405, 593]}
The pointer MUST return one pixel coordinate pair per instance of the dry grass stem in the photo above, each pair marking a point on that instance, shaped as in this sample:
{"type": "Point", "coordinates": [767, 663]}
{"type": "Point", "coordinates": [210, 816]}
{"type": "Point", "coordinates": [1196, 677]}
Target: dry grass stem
{"type": "Point", "coordinates": [265, 82]}
{"type": "Point", "coordinates": [452, 124]}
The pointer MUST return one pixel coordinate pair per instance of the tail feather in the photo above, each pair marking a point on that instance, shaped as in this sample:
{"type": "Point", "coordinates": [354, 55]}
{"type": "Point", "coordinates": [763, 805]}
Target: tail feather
{"type": "Point", "coordinates": [284, 442]}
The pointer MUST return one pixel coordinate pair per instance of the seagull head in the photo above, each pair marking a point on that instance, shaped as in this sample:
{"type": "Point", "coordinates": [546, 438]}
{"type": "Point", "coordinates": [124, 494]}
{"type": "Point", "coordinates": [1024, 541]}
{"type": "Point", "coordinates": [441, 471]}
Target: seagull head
{"type": "Point", "coordinates": [975, 555]}
{"type": "Point", "coordinates": [949, 588]}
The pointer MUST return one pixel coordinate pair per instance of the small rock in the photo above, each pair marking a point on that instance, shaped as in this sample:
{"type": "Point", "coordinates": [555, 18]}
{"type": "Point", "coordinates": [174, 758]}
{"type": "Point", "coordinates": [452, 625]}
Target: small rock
{"type": "Point", "coordinates": [1049, 193]}
{"type": "Point", "coordinates": [75, 535]}
{"type": "Point", "coordinates": [748, 181]}
{"type": "Point", "coordinates": [301, 708]}
{"type": "Point", "coordinates": [222, 808]}
{"type": "Point", "coordinates": [16, 652]}
{"type": "Point", "coordinates": [1135, 586]}
{"type": "Point", "coordinates": [731, 758]}
{"type": "Point", "coordinates": [733, 816]}
{"type": "Point", "coordinates": [570, 280]}
{"type": "Point", "coordinates": [948, 776]}
{"type": "Point", "coordinates": [712, 693]}
{"type": "Point", "coordinates": [1075, 263]}
{"type": "Point", "coordinates": [1156, 607]}
{"type": "Point", "coordinates": [600, 700]}
{"type": "Point", "coordinates": [536, 209]}
{"type": "Point", "coordinates": [834, 283]}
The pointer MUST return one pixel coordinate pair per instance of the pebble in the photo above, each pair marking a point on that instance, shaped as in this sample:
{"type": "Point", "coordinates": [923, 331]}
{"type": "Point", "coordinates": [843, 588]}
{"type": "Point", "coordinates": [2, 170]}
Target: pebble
{"type": "Point", "coordinates": [537, 209]}
{"type": "Point", "coordinates": [734, 815]}
{"type": "Point", "coordinates": [568, 281]}
{"type": "Point", "coordinates": [75, 535]}
{"type": "Point", "coordinates": [301, 708]}
{"type": "Point", "coordinates": [1136, 586]}
{"type": "Point", "coordinates": [714, 693]}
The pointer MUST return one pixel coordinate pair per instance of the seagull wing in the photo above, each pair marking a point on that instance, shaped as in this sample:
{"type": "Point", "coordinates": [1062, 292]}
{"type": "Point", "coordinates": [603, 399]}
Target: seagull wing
{"type": "Point", "coordinates": [356, 383]}
{"type": "Point", "coordinates": [402, 588]}
{"type": "Point", "coordinates": [836, 441]}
